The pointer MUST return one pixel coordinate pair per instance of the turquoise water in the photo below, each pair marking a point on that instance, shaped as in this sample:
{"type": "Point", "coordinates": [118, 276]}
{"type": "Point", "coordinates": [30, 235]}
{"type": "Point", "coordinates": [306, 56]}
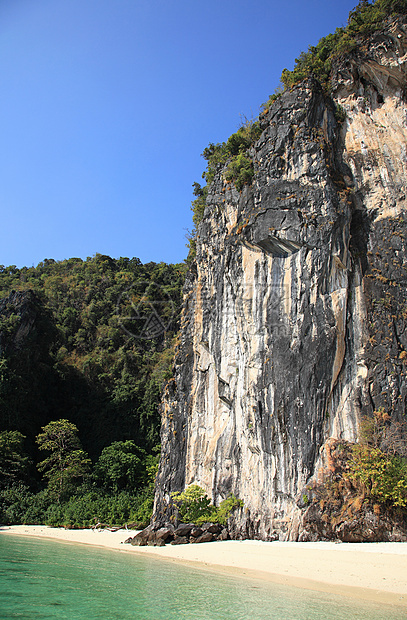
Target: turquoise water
{"type": "Point", "coordinates": [41, 580]}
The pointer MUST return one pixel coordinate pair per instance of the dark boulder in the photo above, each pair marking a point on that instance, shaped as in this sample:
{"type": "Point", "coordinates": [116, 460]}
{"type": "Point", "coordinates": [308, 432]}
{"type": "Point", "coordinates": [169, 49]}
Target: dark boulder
{"type": "Point", "coordinates": [138, 542]}
{"type": "Point", "coordinates": [154, 542]}
{"type": "Point", "coordinates": [213, 528]}
{"type": "Point", "coordinates": [141, 539]}
{"type": "Point", "coordinates": [128, 540]}
{"type": "Point", "coordinates": [180, 540]}
{"type": "Point", "coordinates": [184, 529]}
{"type": "Point", "coordinates": [206, 537]}
{"type": "Point", "coordinates": [164, 534]}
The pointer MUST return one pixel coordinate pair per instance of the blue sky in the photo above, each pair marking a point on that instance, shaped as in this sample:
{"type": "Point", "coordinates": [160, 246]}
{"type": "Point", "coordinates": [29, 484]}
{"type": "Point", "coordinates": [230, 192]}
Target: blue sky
{"type": "Point", "coordinates": [106, 106]}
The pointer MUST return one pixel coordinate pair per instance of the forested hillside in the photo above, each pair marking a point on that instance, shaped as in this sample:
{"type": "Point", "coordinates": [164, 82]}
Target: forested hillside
{"type": "Point", "coordinates": [89, 342]}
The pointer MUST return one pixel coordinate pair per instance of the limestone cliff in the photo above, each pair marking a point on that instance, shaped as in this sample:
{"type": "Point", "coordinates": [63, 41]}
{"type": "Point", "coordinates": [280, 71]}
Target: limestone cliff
{"type": "Point", "coordinates": [294, 320]}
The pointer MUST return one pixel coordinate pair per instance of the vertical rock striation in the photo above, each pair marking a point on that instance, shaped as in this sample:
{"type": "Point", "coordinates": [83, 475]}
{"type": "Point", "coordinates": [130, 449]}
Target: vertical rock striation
{"type": "Point", "coordinates": [294, 320]}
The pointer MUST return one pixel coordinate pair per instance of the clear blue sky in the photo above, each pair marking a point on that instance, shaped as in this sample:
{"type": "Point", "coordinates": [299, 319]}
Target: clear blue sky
{"type": "Point", "coordinates": [106, 106]}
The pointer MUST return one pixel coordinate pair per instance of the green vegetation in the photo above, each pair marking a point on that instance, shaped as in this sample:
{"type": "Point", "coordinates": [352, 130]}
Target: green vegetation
{"type": "Point", "coordinates": [340, 114]}
{"type": "Point", "coordinates": [361, 478]}
{"type": "Point", "coordinates": [240, 171]}
{"type": "Point", "coordinates": [231, 152]}
{"type": "Point", "coordinates": [119, 489]}
{"type": "Point", "coordinates": [88, 357]}
{"type": "Point", "coordinates": [363, 20]}
{"type": "Point", "coordinates": [123, 466]}
{"type": "Point", "coordinates": [226, 507]}
{"type": "Point", "coordinates": [14, 462]}
{"type": "Point", "coordinates": [85, 350]}
{"type": "Point", "coordinates": [379, 464]}
{"type": "Point", "coordinates": [382, 476]}
{"type": "Point", "coordinates": [66, 461]}
{"type": "Point", "coordinates": [194, 506]}
{"type": "Point", "coordinates": [199, 204]}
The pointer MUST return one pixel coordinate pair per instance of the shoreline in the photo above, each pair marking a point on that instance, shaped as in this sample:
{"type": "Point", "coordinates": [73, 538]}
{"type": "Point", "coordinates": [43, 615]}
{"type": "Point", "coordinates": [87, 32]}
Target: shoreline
{"type": "Point", "coordinates": [371, 571]}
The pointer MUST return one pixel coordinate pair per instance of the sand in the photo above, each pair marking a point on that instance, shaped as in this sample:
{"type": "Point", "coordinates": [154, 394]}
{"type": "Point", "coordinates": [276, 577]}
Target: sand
{"type": "Point", "coordinates": [373, 571]}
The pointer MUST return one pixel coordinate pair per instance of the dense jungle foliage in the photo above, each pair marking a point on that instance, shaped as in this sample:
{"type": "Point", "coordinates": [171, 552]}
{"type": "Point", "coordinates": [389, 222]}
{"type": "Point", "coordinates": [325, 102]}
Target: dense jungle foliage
{"type": "Point", "coordinates": [90, 343]}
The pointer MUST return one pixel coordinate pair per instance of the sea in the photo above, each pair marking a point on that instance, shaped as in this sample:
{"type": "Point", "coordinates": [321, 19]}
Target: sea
{"type": "Point", "coordinates": [47, 580]}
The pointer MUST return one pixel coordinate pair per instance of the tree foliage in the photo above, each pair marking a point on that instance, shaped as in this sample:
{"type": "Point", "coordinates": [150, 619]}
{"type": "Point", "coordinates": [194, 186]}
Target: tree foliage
{"type": "Point", "coordinates": [237, 145]}
{"type": "Point", "coordinates": [383, 476]}
{"type": "Point", "coordinates": [72, 347]}
{"type": "Point", "coordinates": [121, 466]}
{"type": "Point", "coordinates": [379, 462]}
{"type": "Point", "coordinates": [14, 462]}
{"type": "Point", "coordinates": [66, 461]}
{"type": "Point", "coordinates": [194, 506]}
{"type": "Point", "coordinates": [73, 353]}
{"type": "Point", "coordinates": [118, 489]}
{"type": "Point", "coordinates": [234, 154]}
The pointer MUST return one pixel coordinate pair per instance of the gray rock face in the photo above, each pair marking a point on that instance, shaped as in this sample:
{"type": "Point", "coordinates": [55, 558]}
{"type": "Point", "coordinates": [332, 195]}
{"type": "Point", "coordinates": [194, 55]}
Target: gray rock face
{"type": "Point", "coordinates": [294, 320]}
{"type": "Point", "coordinates": [26, 306]}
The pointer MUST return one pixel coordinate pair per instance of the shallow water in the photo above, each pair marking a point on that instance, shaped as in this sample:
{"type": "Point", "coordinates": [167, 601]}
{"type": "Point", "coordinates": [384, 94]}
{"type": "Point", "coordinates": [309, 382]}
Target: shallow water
{"type": "Point", "coordinates": [41, 580]}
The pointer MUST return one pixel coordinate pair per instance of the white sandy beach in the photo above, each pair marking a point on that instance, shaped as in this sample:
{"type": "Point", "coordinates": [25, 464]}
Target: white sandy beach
{"type": "Point", "coordinates": [374, 571]}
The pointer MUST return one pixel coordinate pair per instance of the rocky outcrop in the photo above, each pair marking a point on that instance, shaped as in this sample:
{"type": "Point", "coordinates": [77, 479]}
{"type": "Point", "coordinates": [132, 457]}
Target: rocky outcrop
{"type": "Point", "coordinates": [294, 320]}
{"type": "Point", "coordinates": [21, 313]}
{"type": "Point", "coordinates": [158, 535]}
